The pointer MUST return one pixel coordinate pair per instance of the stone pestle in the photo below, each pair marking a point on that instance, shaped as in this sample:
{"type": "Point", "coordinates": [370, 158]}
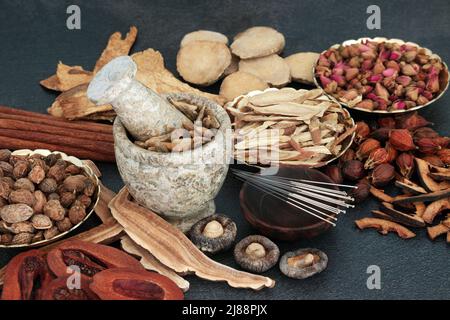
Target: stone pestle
{"type": "Point", "coordinates": [142, 111]}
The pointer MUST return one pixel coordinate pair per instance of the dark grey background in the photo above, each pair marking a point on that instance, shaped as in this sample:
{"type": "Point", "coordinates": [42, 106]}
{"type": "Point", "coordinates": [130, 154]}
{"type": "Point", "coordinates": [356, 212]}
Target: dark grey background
{"type": "Point", "coordinates": [34, 37]}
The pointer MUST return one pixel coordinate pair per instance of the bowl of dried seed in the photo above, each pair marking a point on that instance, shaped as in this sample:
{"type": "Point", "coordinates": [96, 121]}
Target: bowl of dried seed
{"type": "Point", "coordinates": [289, 127]}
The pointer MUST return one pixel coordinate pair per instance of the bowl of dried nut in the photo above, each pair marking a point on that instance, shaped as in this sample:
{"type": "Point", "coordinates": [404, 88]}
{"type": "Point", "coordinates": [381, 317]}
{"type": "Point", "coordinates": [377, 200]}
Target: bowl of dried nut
{"type": "Point", "coordinates": [43, 196]}
{"type": "Point", "coordinates": [381, 75]}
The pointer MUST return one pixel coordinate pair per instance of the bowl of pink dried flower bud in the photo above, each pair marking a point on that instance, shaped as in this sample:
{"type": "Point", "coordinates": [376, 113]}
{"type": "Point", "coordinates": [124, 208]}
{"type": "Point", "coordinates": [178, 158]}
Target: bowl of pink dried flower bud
{"type": "Point", "coordinates": [381, 75]}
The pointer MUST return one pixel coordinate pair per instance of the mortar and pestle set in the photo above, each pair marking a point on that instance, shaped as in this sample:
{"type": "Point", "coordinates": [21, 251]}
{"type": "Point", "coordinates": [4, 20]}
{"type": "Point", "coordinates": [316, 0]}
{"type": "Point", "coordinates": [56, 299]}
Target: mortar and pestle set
{"type": "Point", "coordinates": [179, 186]}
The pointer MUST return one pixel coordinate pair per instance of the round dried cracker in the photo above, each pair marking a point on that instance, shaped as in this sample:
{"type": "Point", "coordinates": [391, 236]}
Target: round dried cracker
{"type": "Point", "coordinates": [203, 35]}
{"type": "Point", "coordinates": [203, 62]}
{"type": "Point", "coordinates": [239, 83]}
{"type": "Point", "coordinates": [301, 65]}
{"type": "Point", "coordinates": [272, 69]}
{"type": "Point", "coordinates": [257, 42]}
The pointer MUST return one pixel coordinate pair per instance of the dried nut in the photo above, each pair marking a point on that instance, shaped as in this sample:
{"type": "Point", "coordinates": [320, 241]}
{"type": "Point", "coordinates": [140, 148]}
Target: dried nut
{"type": "Point", "coordinates": [213, 234]}
{"type": "Point", "coordinates": [67, 198]}
{"type": "Point", "coordinates": [13, 213]}
{"type": "Point", "coordinates": [51, 233]}
{"type": "Point", "coordinates": [54, 210]}
{"type": "Point", "coordinates": [48, 185]}
{"type": "Point", "coordinates": [22, 238]}
{"type": "Point", "coordinates": [38, 236]}
{"type": "Point", "coordinates": [41, 200]}
{"type": "Point", "coordinates": [6, 238]}
{"type": "Point", "coordinates": [392, 152]}
{"type": "Point", "coordinates": [84, 201]}
{"type": "Point", "coordinates": [362, 131]}
{"type": "Point", "coordinates": [5, 190]}
{"type": "Point", "coordinates": [24, 183]}
{"type": "Point", "coordinates": [53, 196]}
{"type": "Point", "coordinates": [4, 155]}
{"type": "Point", "coordinates": [334, 173]}
{"type": "Point", "coordinates": [256, 253]}
{"type": "Point", "coordinates": [41, 222]}
{"type": "Point", "coordinates": [9, 181]}
{"type": "Point", "coordinates": [37, 174]}
{"type": "Point", "coordinates": [20, 169]}
{"type": "Point", "coordinates": [402, 140]}
{"type": "Point", "coordinates": [361, 192]}
{"type": "Point", "coordinates": [75, 183]}
{"type": "Point", "coordinates": [64, 225]}
{"type": "Point", "coordinates": [366, 148]}
{"type": "Point", "coordinates": [7, 168]}
{"type": "Point", "coordinates": [77, 214]}
{"type": "Point", "coordinates": [382, 175]}
{"type": "Point", "coordinates": [22, 196]}
{"type": "Point", "coordinates": [303, 263]}
{"type": "Point", "coordinates": [348, 155]}
{"type": "Point", "coordinates": [57, 172]}
{"type": "Point", "coordinates": [73, 169]}
{"type": "Point", "coordinates": [376, 157]}
{"type": "Point", "coordinates": [428, 145]}
{"type": "Point", "coordinates": [405, 163]}
{"type": "Point", "coordinates": [20, 227]}
{"type": "Point", "coordinates": [353, 170]}
{"type": "Point", "coordinates": [52, 159]}
{"type": "Point", "coordinates": [89, 188]}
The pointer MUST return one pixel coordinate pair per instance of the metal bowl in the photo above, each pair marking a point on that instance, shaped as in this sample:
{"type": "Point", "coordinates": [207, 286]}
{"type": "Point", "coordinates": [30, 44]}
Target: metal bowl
{"type": "Point", "coordinates": [346, 143]}
{"type": "Point", "coordinates": [443, 77]}
{"type": "Point", "coordinates": [90, 210]}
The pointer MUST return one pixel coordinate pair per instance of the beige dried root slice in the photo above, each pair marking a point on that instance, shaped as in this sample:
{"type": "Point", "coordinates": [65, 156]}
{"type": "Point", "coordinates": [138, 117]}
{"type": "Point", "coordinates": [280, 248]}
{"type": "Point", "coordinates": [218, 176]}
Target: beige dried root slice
{"type": "Point", "coordinates": [261, 141]}
{"type": "Point", "coordinates": [233, 66]}
{"type": "Point", "coordinates": [437, 230]}
{"type": "Point", "coordinates": [257, 42]}
{"type": "Point", "coordinates": [384, 227]}
{"type": "Point", "coordinates": [203, 35]}
{"type": "Point", "coordinates": [149, 262]}
{"type": "Point", "coordinates": [203, 62]}
{"type": "Point", "coordinates": [153, 74]}
{"type": "Point", "coordinates": [116, 47]}
{"type": "Point", "coordinates": [277, 96]}
{"type": "Point", "coordinates": [434, 209]}
{"type": "Point", "coordinates": [301, 111]}
{"type": "Point", "coordinates": [74, 104]}
{"type": "Point", "coordinates": [301, 65]}
{"type": "Point", "coordinates": [67, 77]}
{"type": "Point", "coordinates": [240, 83]}
{"type": "Point", "coordinates": [272, 69]}
{"type": "Point", "coordinates": [108, 115]}
{"type": "Point", "coordinates": [173, 249]}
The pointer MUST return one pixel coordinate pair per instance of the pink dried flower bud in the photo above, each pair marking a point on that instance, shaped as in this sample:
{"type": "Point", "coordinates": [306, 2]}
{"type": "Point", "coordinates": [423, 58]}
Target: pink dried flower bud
{"type": "Point", "coordinates": [370, 54]}
{"type": "Point", "coordinates": [433, 83]}
{"type": "Point", "coordinates": [324, 81]}
{"type": "Point", "coordinates": [375, 78]}
{"type": "Point", "coordinates": [366, 104]}
{"type": "Point", "coordinates": [409, 70]}
{"type": "Point", "coordinates": [372, 96]}
{"type": "Point", "coordinates": [393, 64]}
{"type": "Point", "coordinates": [412, 93]}
{"type": "Point", "coordinates": [427, 94]}
{"type": "Point", "coordinates": [378, 67]}
{"type": "Point", "coordinates": [395, 55]}
{"type": "Point", "coordinates": [389, 72]}
{"type": "Point", "coordinates": [393, 97]}
{"type": "Point", "coordinates": [351, 73]}
{"type": "Point", "coordinates": [366, 65]}
{"type": "Point", "coordinates": [323, 61]}
{"type": "Point", "coordinates": [381, 92]}
{"type": "Point", "coordinates": [384, 54]}
{"type": "Point", "coordinates": [403, 80]}
{"type": "Point", "coordinates": [354, 62]}
{"type": "Point", "coordinates": [331, 87]}
{"type": "Point", "coordinates": [410, 55]}
{"type": "Point", "coordinates": [398, 90]}
{"type": "Point", "coordinates": [399, 105]}
{"type": "Point", "coordinates": [350, 95]}
{"type": "Point", "coordinates": [340, 80]}
{"type": "Point", "coordinates": [422, 100]}
{"type": "Point", "coordinates": [363, 47]}
{"type": "Point", "coordinates": [420, 84]}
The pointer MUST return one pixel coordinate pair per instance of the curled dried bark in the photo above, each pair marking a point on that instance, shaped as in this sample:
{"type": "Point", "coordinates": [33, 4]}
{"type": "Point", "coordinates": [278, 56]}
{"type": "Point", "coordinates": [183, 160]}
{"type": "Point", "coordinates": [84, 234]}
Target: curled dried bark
{"type": "Point", "coordinates": [380, 195]}
{"type": "Point", "coordinates": [436, 231]}
{"type": "Point", "coordinates": [435, 208]}
{"type": "Point", "coordinates": [384, 227]}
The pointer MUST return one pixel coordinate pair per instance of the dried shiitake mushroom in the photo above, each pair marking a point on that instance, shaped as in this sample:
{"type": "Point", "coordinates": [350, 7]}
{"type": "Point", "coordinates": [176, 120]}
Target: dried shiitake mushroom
{"type": "Point", "coordinates": [203, 35]}
{"type": "Point", "coordinates": [203, 62]}
{"type": "Point", "coordinates": [240, 83]}
{"type": "Point", "coordinates": [303, 263]}
{"type": "Point", "coordinates": [272, 69]}
{"type": "Point", "coordinates": [256, 253]}
{"type": "Point", "coordinates": [301, 65]}
{"type": "Point", "coordinates": [213, 234]}
{"type": "Point", "coordinates": [257, 42]}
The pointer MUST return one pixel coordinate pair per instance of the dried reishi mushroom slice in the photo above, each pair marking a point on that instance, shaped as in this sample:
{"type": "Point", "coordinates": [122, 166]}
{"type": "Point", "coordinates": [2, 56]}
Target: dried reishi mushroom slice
{"type": "Point", "coordinates": [303, 263]}
{"type": "Point", "coordinates": [25, 275]}
{"type": "Point", "coordinates": [433, 196]}
{"type": "Point", "coordinates": [272, 69]}
{"type": "Point", "coordinates": [257, 42]}
{"type": "Point", "coordinates": [131, 284]}
{"type": "Point", "coordinates": [256, 253]}
{"type": "Point", "coordinates": [301, 65]}
{"type": "Point", "coordinates": [203, 35]}
{"type": "Point", "coordinates": [436, 231]}
{"type": "Point", "coordinates": [404, 218]}
{"type": "Point", "coordinates": [213, 234]}
{"type": "Point", "coordinates": [435, 208]}
{"type": "Point", "coordinates": [380, 195]}
{"type": "Point", "coordinates": [384, 227]}
{"type": "Point", "coordinates": [61, 289]}
{"type": "Point", "coordinates": [423, 172]}
{"type": "Point", "coordinates": [89, 257]}
{"type": "Point", "coordinates": [409, 186]}
{"type": "Point", "coordinates": [240, 83]}
{"type": "Point", "coordinates": [203, 62]}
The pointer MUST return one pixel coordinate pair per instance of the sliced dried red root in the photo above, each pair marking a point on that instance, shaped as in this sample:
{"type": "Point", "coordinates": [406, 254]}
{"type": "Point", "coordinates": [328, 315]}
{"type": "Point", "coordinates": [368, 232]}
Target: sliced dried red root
{"type": "Point", "coordinates": [172, 248]}
{"type": "Point", "coordinates": [435, 208]}
{"type": "Point", "coordinates": [423, 172]}
{"type": "Point", "coordinates": [131, 284]}
{"type": "Point", "coordinates": [384, 227]}
{"type": "Point", "coordinates": [433, 196]}
{"type": "Point", "coordinates": [89, 257]}
{"type": "Point", "coordinates": [22, 275]}
{"type": "Point", "coordinates": [404, 218]}
{"type": "Point", "coordinates": [380, 195]}
{"type": "Point", "coordinates": [420, 208]}
{"type": "Point", "coordinates": [58, 289]}
{"type": "Point", "coordinates": [448, 237]}
{"type": "Point", "coordinates": [436, 231]}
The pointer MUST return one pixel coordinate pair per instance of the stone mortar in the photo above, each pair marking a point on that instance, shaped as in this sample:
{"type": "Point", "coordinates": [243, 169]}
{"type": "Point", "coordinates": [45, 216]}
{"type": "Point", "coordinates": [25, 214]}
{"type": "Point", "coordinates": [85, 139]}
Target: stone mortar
{"type": "Point", "coordinates": [172, 184]}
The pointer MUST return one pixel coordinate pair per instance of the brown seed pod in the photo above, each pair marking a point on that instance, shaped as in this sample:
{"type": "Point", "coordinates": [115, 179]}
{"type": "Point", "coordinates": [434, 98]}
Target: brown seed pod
{"type": "Point", "coordinates": [48, 185]}
{"type": "Point", "coordinates": [13, 213]}
{"type": "Point", "coordinates": [41, 222]}
{"type": "Point", "coordinates": [22, 196]}
{"type": "Point", "coordinates": [20, 169]}
{"type": "Point", "coordinates": [37, 174]}
{"type": "Point", "coordinates": [41, 200]}
{"type": "Point", "coordinates": [57, 171]}
{"type": "Point", "coordinates": [24, 183]}
{"type": "Point", "coordinates": [77, 214]}
{"type": "Point", "coordinates": [51, 233]}
{"type": "Point", "coordinates": [22, 238]}
{"type": "Point", "coordinates": [54, 210]}
{"type": "Point", "coordinates": [67, 198]}
{"type": "Point", "coordinates": [64, 225]}
{"type": "Point", "coordinates": [5, 154]}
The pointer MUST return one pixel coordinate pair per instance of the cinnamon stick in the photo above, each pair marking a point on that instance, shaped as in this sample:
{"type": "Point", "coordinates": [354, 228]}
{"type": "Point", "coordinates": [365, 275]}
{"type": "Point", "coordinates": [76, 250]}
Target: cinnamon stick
{"type": "Point", "coordinates": [51, 120]}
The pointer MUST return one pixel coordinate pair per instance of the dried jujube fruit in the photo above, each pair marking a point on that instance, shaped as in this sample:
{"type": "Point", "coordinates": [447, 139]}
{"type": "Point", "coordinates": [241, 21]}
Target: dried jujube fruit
{"type": "Point", "coordinates": [303, 263]}
{"type": "Point", "coordinates": [59, 290]}
{"type": "Point", "coordinates": [132, 284]}
{"type": "Point", "coordinates": [203, 62]}
{"type": "Point", "coordinates": [24, 183]}
{"type": "Point", "coordinates": [240, 83]}
{"type": "Point", "coordinates": [25, 275]}
{"type": "Point", "coordinates": [89, 257]}
{"type": "Point", "coordinates": [272, 69]}
{"type": "Point", "coordinates": [13, 213]}
{"type": "Point", "coordinates": [203, 35]}
{"type": "Point", "coordinates": [257, 42]}
{"type": "Point", "coordinates": [256, 253]}
{"type": "Point", "coordinates": [301, 65]}
{"type": "Point", "coordinates": [22, 196]}
{"type": "Point", "coordinates": [213, 234]}
{"type": "Point", "coordinates": [54, 210]}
